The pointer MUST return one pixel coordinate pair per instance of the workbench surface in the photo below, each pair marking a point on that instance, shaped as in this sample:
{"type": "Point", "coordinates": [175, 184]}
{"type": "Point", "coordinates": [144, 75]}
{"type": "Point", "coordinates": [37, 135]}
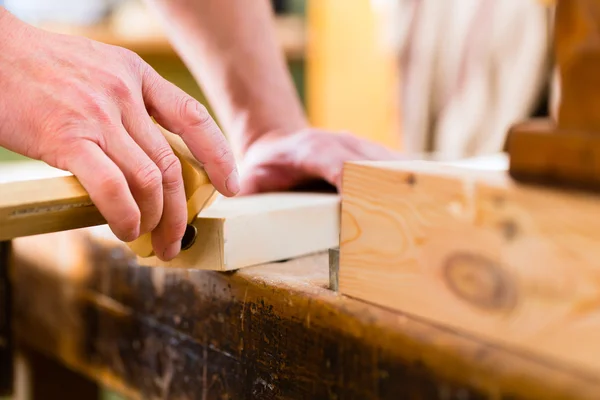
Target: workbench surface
{"type": "Point", "coordinates": [265, 332]}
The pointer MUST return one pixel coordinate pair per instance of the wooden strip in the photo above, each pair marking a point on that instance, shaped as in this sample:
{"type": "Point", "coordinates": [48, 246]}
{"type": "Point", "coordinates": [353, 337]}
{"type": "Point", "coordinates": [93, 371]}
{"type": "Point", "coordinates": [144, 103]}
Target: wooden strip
{"type": "Point", "coordinates": [475, 251]}
{"type": "Point", "coordinates": [242, 231]}
{"type": "Point", "coordinates": [271, 331]}
{"type": "Point", "coordinates": [45, 205]}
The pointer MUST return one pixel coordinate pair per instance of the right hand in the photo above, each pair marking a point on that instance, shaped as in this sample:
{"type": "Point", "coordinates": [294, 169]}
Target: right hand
{"type": "Point", "coordinates": [86, 107]}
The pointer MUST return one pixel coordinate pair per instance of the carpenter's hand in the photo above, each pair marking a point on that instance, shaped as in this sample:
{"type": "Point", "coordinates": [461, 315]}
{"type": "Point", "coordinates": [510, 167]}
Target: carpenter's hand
{"type": "Point", "coordinates": [284, 162]}
{"type": "Point", "coordinates": [86, 107]}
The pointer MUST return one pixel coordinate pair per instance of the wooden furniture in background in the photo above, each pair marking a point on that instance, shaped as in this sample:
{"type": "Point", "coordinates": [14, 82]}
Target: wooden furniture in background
{"type": "Point", "coordinates": [565, 150]}
{"type": "Point", "coordinates": [351, 76]}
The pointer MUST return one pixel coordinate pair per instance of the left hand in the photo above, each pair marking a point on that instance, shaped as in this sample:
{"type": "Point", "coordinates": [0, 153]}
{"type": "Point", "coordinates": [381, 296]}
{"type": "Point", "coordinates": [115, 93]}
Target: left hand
{"type": "Point", "coordinates": [280, 162]}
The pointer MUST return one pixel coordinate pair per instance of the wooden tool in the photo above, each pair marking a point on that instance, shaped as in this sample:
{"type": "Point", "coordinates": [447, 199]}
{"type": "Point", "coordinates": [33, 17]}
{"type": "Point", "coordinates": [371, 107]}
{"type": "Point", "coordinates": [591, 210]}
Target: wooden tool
{"type": "Point", "coordinates": [199, 193]}
{"type": "Point", "coordinates": [238, 232]}
{"type": "Point", "coordinates": [47, 205]}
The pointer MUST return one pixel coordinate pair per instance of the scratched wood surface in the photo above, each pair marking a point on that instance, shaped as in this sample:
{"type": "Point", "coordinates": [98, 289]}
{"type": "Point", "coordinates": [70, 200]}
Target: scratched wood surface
{"type": "Point", "coordinates": [266, 332]}
{"type": "Point", "coordinates": [472, 249]}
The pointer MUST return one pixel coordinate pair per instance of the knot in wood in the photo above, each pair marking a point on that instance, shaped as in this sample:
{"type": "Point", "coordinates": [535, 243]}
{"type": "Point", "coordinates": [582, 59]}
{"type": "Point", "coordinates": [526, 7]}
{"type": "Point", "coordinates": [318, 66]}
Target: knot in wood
{"type": "Point", "coordinates": [479, 281]}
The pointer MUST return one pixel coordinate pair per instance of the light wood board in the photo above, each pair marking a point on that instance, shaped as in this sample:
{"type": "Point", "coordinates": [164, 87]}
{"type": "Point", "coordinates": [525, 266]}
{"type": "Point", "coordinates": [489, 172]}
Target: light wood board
{"type": "Point", "coordinates": [243, 231]}
{"type": "Point", "coordinates": [473, 250]}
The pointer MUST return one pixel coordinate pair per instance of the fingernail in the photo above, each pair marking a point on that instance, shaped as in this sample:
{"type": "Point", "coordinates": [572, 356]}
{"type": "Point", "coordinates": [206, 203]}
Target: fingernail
{"type": "Point", "coordinates": [233, 182]}
{"type": "Point", "coordinates": [172, 250]}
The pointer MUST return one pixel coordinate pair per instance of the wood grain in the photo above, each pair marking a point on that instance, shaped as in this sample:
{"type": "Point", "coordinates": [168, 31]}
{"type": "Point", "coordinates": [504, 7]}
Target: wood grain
{"type": "Point", "coordinates": [266, 332]}
{"type": "Point", "coordinates": [472, 250]}
{"type": "Point", "coordinates": [45, 205]}
{"type": "Point", "coordinates": [242, 231]}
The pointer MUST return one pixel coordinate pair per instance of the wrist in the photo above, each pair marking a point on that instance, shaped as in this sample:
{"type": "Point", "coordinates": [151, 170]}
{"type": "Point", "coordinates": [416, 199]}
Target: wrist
{"type": "Point", "coordinates": [246, 133]}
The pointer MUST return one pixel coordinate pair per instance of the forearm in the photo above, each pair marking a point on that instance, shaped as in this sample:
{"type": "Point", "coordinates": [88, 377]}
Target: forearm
{"type": "Point", "coordinates": [231, 48]}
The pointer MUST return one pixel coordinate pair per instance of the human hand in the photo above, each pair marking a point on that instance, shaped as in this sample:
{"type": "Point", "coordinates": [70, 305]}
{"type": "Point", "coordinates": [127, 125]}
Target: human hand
{"type": "Point", "coordinates": [86, 107]}
{"type": "Point", "coordinates": [281, 162]}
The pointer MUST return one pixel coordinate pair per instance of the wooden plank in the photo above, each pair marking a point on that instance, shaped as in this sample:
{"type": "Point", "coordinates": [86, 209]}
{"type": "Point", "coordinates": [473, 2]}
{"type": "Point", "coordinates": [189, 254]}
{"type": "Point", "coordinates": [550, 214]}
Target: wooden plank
{"type": "Point", "coordinates": [265, 332]}
{"type": "Point", "coordinates": [477, 252]}
{"type": "Point", "coordinates": [239, 232]}
{"type": "Point", "coordinates": [46, 205]}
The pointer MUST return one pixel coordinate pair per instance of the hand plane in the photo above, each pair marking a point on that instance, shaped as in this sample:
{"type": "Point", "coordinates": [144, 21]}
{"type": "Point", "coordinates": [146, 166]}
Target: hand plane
{"type": "Point", "coordinates": [47, 205]}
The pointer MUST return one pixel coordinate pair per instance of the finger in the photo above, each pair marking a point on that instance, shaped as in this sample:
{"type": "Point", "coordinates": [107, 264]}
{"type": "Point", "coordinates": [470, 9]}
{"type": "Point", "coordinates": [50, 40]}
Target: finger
{"type": "Point", "coordinates": [107, 187]}
{"type": "Point", "coordinates": [142, 175]}
{"type": "Point", "coordinates": [329, 167]}
{"type": "Point", "coordinates": [261, 179]}
{"type": "Point", "coordinates": [166, 238]}
{"type": "Point", "coordinates": [183, 115]}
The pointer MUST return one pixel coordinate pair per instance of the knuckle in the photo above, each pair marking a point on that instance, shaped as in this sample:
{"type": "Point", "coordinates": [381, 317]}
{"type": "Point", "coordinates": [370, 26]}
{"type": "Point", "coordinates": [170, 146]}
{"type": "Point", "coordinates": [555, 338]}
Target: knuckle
{"type": "Point", "coordinates": [128, 226]}
{"type": "Point", "coordinates": [193, 112]}
{"type": "Point", "coordinates": [222, 155]}
{"type": "Point", "coordinates": [111, 187]}
{"type": "Point", "coordinates": [313, 144]}
{"type": "Point", "coordinates": [149, 178]}
{"type": "Point", "coordinates": [170, 167]}
{"type": "Point", "coordinates": [120, 89]}
{"type": "Point", "coordinates": [97, 108]}
{"type": "Point", "coordinates": [65, 148]}
{"type": "Point", "coordinates": [129, 57]}
{"type": "Point", "coordinates": [312, 138]}
{"type": "Point", "coordinates": [64, 126]}
{"type": "Point", "coordinates": [133, 63]}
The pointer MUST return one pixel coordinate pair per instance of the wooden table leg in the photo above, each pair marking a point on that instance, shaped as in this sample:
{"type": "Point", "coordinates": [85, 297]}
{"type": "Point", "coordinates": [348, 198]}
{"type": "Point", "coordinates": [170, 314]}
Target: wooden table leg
{"type": "Point", "coordinates": [6, 337]}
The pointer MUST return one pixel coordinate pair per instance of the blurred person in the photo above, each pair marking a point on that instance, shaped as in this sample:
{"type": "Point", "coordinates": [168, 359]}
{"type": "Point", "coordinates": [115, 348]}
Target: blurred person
{"type": "Point", "coordinates": [469, 69]}
{"type": "Point", "coordinates": [86, 107]}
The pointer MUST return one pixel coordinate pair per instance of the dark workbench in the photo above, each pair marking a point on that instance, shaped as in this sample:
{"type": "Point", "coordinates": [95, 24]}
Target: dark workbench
{"type": "Point", "coordinates": [268, 332]}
